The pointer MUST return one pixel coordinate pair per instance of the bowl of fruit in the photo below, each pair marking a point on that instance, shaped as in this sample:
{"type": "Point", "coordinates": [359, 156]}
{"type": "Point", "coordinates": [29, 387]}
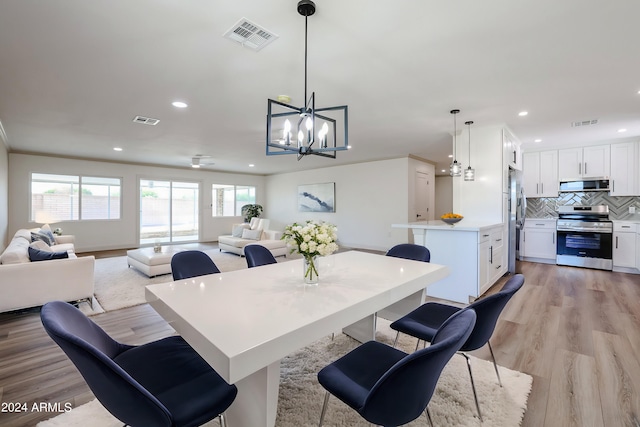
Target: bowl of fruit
{"type": "Point", "coordinates": [451, 218]}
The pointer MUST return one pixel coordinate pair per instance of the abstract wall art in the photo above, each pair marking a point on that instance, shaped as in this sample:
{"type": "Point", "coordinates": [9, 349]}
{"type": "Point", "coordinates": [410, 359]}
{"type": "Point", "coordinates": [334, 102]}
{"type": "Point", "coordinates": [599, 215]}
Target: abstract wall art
{"type": "Point", "coordinates": [317, 197]}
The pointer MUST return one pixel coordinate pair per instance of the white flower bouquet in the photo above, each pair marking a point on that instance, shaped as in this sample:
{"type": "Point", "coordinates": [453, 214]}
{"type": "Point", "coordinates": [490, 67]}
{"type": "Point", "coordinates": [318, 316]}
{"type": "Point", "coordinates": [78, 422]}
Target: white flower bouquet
{"type": "Point", "coordinates": [311, 239]}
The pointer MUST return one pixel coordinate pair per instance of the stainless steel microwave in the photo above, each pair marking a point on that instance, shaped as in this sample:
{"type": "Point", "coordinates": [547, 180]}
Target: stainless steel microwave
{"type": "Point", "coordinates": [587, 184]}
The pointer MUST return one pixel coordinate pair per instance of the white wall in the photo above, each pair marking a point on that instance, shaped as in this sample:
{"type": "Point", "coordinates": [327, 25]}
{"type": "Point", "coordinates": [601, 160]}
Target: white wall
{"type": "Point", "coordinates": [369, 198]}
{"type": "Point", "coordinates": [444, 195]}
{"type": "Point", "coordinates": [123, 233]}
{"type": "Point", "coordinates": [481, 199]}
{"type": "Point", "coordinates": [4, 195]}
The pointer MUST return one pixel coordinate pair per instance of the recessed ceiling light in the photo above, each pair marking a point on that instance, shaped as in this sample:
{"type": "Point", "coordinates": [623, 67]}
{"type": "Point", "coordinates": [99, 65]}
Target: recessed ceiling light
{"type": "Point", "coordinates": [251, 165]}
{"type": "Point", "coordinates": [450, 156]}
{"type": "Point", "coordinates": [443, 170]}
{"type": "Point", "coordinates": [179, 104]}
{"type": "Point", "coordinates": [195, 166]}
{"type": "Point", "coordinates": [622, 130]}
{"type": "Point", "coordinates": [537, 140]}
{"type": "Point", "coordinates": [117, 149]}
{"type": "Point", "coordinates": [523, 113]}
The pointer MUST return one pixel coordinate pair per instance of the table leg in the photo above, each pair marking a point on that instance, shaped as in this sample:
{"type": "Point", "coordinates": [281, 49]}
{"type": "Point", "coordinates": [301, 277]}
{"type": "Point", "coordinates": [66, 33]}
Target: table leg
{"type": "Point", "coordinates": [403, 307]}
{"type": "Point", "coordinates": [257, 401]}
{"type": "Point", "coordinates": [363, 330]}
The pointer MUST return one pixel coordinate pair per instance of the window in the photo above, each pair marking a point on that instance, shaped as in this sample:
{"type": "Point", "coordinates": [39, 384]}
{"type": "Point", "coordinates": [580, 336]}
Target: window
{"type": "Point", "coordinates": [228, 200]}
{"type": "Point", "coordinates": [169, 211]}
{"type": "Point", "coordinates": [70, 197]}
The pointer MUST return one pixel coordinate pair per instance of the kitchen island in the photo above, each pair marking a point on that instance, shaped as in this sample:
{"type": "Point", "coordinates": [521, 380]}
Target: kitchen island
{"type": "Point", "coordinates": [474, 251]}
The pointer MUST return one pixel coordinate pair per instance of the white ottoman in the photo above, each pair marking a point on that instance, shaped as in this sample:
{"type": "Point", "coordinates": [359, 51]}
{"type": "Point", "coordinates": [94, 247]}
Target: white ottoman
{"type": "Point", "coordinates": [152, 263]}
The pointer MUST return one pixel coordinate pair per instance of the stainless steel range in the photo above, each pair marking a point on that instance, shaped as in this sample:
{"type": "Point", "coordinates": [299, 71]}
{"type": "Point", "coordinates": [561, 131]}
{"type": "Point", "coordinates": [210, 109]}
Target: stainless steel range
{"type": "Point", "coordinates": [585, 236]}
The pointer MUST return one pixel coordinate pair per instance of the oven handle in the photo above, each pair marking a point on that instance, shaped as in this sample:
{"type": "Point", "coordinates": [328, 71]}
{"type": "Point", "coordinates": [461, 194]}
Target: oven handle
{"type": "Point", "coordinates": [585, 230]}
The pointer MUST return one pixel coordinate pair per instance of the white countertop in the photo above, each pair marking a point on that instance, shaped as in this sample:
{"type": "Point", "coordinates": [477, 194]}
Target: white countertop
{"type": "Point", "coordinates": [464, 225]}
{"type": "Point", "coordinates": [626, 221]}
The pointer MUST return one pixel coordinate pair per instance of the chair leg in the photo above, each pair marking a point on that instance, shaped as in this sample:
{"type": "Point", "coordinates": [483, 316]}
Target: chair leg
{"type": "Point", "coordinates": [473, 386]}
{"type": "Point", "coordinates": [417, 344]}
{"type": "Point", "coordinates": [396, 340]}
{"type": "Point", "coordinates": [495, 366]}
{"type": "Point", "coordinates": [324, 409]}
{"type": "Point", "coordinates": [428, 414]}
{"type": "Point", "coordinates": [223, 421]}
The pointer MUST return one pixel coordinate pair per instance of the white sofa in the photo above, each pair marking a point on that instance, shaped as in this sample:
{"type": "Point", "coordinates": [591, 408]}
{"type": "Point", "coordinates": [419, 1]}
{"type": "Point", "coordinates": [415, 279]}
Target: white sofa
{"type": "Point", "coordinates": [260, 235]}
{"type": "Point", "coordinates": [25, 284]}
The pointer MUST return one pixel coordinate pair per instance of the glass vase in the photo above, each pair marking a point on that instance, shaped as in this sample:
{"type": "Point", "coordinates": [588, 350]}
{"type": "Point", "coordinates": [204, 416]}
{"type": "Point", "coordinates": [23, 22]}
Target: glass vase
{"type": "Point", "coordinates": [310, 270]}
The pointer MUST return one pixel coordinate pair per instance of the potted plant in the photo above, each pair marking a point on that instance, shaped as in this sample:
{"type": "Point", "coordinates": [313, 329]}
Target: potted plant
{"type": "Point", "coordinates": [251, 211]}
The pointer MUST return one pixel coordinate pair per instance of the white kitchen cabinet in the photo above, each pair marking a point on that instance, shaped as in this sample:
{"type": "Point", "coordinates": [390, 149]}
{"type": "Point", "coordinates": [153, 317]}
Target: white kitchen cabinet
{"type": "Point", "coordinates": [539, 240]}
{"type": "Point", "coordinates": [497, 255]}
{"type": "Point", "coordinates": [491, 257]}
{"type": "Point", "coordinates": [484, 246]}
{"type": "Point", "coordinates": [584, 162]}
{"type": "Point", "coordinates": [623, 169]}
{"type": "Point", "coordinates": [512, 150]}
{"type": "Point", "coordinates": [540, 173]}
{"type": "Point", "coordinates": [624, 245]}
{"type": "Point", "coordinates": [637, 246]}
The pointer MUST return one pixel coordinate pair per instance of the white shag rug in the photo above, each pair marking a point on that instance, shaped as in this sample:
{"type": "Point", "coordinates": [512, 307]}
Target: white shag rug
{"type": "Point", "coordinates": [118, 286]}
{"type": "Point", "coordinates": [301, 396]}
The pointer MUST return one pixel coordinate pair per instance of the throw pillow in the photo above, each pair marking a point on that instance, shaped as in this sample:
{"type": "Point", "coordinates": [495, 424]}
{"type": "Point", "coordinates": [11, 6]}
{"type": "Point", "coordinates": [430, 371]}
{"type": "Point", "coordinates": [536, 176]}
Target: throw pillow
{"type": "Point", "coordinates": [38, 255]}
{"type": "Point", "coordinates": [41, 246]}
{"type": "Point", "coordinates": [251, 234]}
{"type": "Point", "coordinates": [45, 229]}
{"type": "Point", "coordinates": [254, 223]}
{"type": "Point", "coordinates": [36, 235]}
{"type": "Point", "coordinates": [237, 230]}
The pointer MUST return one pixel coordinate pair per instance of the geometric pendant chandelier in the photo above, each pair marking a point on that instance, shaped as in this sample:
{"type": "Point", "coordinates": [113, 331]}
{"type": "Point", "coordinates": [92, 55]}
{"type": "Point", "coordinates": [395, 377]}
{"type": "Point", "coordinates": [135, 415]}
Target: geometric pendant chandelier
{"type": "Point", "coordinates": [306, 130]}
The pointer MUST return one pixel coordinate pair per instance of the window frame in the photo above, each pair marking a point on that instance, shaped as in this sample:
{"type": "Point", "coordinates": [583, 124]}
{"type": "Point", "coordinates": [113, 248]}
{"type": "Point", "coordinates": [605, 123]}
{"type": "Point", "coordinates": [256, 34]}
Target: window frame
{"type": "Point", "coordinates": [74, 180]}
{"type": "Point", "coordinates": [236, 205]}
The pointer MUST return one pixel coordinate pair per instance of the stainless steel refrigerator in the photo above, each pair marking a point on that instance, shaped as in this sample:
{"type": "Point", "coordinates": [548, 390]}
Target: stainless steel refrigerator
{"type": "Point", "coordinates": [517, 208]}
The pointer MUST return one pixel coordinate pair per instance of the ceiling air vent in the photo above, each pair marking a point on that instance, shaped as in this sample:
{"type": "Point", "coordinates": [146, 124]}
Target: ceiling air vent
{"type": "Point", "coordinates": [584, 123]}
{"type": "Point", "coordinates": [146, 120]}
{"type": "Point", "coordinates": [250, 35]}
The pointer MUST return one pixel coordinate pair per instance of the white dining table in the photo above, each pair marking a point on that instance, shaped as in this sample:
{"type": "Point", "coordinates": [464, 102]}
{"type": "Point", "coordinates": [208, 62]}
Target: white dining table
{"type": "Point", "coordinates": [244, 322]}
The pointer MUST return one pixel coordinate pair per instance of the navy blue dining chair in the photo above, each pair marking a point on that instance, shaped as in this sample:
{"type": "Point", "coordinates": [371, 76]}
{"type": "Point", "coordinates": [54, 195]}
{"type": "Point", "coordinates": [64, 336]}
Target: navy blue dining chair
{"type": "Point", "coordinates": [389, 387]}
{"type": "Point", "coordinates": [187, 264]}
{"type": "Point", "coordinates": [164, 383]}
{"type": "Point", "coordinates": [257, 255]}
{"type": "Point", "coordinates": [424, 321]}
{"type": "Point", "coordinates": [410, 251]}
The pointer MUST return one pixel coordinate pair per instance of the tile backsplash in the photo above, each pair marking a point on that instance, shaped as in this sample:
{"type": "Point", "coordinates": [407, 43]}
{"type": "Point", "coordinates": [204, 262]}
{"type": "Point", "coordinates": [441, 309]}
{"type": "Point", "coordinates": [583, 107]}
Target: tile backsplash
{"type": "Point", "coordinates": [618, 206]}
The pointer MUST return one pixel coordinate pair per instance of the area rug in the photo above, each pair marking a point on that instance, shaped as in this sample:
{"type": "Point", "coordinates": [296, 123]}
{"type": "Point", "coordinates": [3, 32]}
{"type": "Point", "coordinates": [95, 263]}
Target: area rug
{"type": "Point", "coordinates": [300, 399]}
{"type": "Point", "coordinates": [117, 286]}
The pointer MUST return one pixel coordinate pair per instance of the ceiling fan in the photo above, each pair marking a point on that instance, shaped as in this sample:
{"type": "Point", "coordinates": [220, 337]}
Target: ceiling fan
{"type": "Point", "coordinates": [199, 160]}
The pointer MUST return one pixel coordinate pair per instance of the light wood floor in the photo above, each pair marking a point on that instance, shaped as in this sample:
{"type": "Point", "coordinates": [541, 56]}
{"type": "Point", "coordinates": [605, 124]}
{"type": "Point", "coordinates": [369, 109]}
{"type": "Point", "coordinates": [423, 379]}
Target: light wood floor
{"type": "Point", "coordinates": [576, 331]}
